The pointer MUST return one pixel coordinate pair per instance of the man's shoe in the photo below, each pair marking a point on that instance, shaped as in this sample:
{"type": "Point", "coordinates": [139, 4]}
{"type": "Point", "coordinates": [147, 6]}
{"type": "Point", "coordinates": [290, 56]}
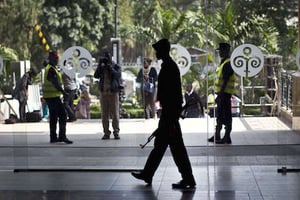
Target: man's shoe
{"type": "Point", "coordinates": [183, 185]}
{"type": "Point", "coordinates": [105, 137]}
{"type": "Point", "coordinates": [139, 175]}
{"type": "Point", "coordinates": [71, 120]}
{"type": "Point", "coordinates": [65, 140]}
{"type": "Point", "coordinates": [117, 137]}
{"type": "Point", "coordinates": [224, 141]}
{"type": "Point", "coordinates": [212, 139]}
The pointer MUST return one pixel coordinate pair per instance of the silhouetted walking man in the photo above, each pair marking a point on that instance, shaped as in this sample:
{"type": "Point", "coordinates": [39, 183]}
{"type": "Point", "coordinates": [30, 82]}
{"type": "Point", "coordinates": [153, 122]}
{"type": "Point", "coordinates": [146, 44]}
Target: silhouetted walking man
{"type": "Point", "coordinates": [169, 132]}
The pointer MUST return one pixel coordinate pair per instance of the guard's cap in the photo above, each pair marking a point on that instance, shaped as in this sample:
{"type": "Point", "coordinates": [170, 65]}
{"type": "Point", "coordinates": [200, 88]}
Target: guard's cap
{"type": "Point", "coordinates": [223, 45]}
{"type": "Point", "coordinates": [33, 71]}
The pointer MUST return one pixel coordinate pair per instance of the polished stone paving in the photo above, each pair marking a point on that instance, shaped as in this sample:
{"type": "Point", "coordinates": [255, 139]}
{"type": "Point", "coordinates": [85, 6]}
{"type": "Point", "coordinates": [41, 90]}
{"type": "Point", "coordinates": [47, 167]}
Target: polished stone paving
{"type": "Point", "coordinates": [253, 167]}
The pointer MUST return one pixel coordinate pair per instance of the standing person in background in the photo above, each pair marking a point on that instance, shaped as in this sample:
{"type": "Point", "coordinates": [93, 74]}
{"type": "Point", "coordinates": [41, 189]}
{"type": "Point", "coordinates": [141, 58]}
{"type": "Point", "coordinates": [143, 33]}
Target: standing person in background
{"type": "Point", "coordinates": [211, 100]}
{"type": "Point", "coordinates": [52, 91]}
{"type": "Point", "coordinates": [70, 88]}
{"type": "Point", "coordinates": [168, 133]}
{"type": "Point", "coordinates": [109, 75]}
{"type": "Point", "coordinates": [83, 106]}
{"type": "Point", "coordinates": [147, 77]}
{"type": "Point", "coordinates": [224, 88]}
{"type": "Point", "coordinates": [45, 109]}
{"type": "Point", "coordinates": [21, 91]}
{"type": "Point", "coordinates": [193, 104]}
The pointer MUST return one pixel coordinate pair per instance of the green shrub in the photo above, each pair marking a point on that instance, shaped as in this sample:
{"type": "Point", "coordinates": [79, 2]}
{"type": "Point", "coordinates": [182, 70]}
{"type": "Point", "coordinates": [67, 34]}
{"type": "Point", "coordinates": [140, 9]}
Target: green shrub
{"type": "Point", "coordinates": [95, 111]}
{"type": "Point", "coordinates": [135, 113]}
{"type": "Point", "coordinates": [130, 109]}
{"type": "Point", "coordinates": [252, 111]}
{"type": "Point", "coordinates": [95, 115]}
{"type": "Point", "coordinates": [127, 105]}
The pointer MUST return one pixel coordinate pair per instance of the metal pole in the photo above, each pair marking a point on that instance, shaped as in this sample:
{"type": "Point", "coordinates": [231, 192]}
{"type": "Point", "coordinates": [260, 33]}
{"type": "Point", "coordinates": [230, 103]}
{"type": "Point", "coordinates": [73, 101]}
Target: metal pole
{"type": "Point", "coordinates": [116, 18]}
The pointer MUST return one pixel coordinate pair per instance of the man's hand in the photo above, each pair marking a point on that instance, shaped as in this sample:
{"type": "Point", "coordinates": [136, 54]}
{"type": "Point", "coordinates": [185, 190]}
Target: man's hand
{"type": "Point", "coordinates": [65, 93]}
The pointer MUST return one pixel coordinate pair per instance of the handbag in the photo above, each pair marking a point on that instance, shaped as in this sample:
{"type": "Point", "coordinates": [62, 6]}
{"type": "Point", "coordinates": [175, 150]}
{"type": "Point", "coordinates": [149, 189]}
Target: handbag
{"type": "Point", "coordinates": [148, 87]}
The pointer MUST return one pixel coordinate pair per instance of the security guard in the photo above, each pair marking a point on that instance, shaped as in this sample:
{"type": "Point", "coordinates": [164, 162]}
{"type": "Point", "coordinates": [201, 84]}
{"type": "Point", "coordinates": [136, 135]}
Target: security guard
{"type": "Point", "coordinates": [224, 89]}
{"type": "Point", "coordinates": [52, 91]}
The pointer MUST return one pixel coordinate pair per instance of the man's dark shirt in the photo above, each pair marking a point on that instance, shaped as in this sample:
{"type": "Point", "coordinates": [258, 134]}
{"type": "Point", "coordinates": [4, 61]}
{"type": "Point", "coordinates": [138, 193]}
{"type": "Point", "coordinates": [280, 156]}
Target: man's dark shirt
{"type": "Point", "coordinates": [169, 89]}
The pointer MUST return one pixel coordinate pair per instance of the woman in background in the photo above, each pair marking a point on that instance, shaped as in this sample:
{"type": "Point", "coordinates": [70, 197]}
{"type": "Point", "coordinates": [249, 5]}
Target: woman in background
{"type": "Point", "coordinates": [83, 106]}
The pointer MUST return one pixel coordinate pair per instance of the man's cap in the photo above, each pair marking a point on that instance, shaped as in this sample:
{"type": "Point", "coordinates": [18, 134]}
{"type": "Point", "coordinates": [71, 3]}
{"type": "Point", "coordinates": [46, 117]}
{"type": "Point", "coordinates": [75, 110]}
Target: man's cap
{"type": "Point", "coordinates": [33, 70]}
{"type": "Point", "coordinates": [223, 45]}
{"type": "Point", "coordinates": [162, 45]}
{"type": "Point", "coordinates": [53, 55]}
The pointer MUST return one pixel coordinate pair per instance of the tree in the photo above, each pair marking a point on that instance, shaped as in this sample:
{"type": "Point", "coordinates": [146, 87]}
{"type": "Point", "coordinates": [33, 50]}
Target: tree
{"type": "Point", "coordinates": [155, 20]}
{"type": "Point", "coordinates": [17, 25]}
{"type": "Point", "coordinates": [282, 15]}
{"type": "Point", "coordinates": [80, 23]}
{"type": "Point", "coordinates": [8, 55]}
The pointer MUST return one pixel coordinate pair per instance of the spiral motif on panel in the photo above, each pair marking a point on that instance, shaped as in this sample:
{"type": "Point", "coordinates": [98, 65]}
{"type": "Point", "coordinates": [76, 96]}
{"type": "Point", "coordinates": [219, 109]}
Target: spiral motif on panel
{"type": "Point", "coordinates": [69, 63]}
{"type": "Point", "coordinates": [247, 60]}
{"type": "Point", "coordinates": [182, 62]}
{"type": "Point", "coordinates": [239, 61]}
{"type": "Point", "coordinates": [76, 60]}
{"type": "Point", "coordinates": [254, 62]}
{"type": "Point", "coordinates": [182, 57]}
{"type": "Point", "coordinates": [84, 63]}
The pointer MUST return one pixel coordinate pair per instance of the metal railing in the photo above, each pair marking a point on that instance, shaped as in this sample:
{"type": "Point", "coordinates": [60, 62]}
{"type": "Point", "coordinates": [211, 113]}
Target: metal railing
{"type": "Point", "coordinates": [286, 90]}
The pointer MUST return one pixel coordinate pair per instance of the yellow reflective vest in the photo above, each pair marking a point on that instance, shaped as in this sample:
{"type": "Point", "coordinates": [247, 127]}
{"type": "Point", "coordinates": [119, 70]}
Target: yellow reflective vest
{"type": "Point", "coordinates": [219, 82]}
{"type": "Point", "coordinates": [49, 91]}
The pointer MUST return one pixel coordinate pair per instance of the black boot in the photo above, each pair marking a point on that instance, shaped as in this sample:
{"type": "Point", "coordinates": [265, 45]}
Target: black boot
{"type": "Point", "coordinates": [216, 136]}
{"type": "Point", "coordinates": [226, 139]}
{"type": "Point", "coordinates": [65, 140]}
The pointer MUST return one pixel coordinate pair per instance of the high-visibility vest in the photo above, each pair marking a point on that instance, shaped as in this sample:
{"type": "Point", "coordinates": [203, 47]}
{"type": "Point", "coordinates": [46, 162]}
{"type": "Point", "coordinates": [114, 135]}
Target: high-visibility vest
{"type": "Point", "coordinates": [211, 99]}
{"type": "Point", "coordinates": [49, 91]}
{"type": "Point", "coordinates": [219, 82]}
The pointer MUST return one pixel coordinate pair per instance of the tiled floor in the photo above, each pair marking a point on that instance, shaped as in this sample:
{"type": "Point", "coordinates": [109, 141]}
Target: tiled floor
{"type": "Point", "coordinates": [250, 168]}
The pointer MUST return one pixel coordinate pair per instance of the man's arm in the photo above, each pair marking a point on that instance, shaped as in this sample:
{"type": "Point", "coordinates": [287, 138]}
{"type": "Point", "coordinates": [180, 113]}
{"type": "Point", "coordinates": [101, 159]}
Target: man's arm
{"type": "Point", "coordinates": [116, 71]}
{"type": "Point", "coordinates": [97, 72]}
{"type": "Point", "coordinates": [139, 77]}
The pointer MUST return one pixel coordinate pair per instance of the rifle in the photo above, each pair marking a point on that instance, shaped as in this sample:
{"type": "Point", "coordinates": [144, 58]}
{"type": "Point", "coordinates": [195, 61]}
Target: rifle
{"type": "Point", "coordinates": [149, 138]}
{"type": "Point", "coordinates": [156, 131]}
